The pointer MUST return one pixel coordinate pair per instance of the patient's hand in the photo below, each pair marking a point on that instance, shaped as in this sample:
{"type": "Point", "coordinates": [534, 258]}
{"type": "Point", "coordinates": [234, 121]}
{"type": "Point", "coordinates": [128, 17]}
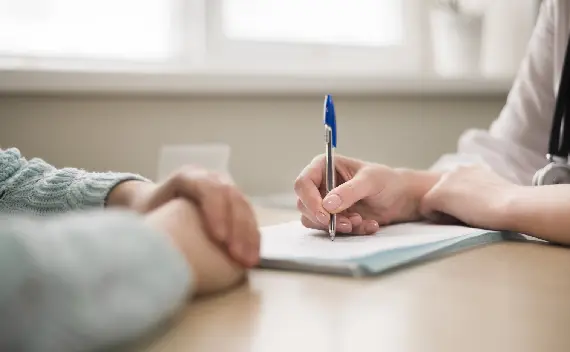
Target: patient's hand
{"type": "Point", "coordinates": [226, 214]}
{"type": "Point", "coordinates": [213, 269]}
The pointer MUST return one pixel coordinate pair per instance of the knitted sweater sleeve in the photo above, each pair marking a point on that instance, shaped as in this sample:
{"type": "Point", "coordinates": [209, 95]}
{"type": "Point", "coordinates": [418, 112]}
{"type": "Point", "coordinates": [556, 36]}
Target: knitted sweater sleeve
{"type": "Point", "coordinates": [85, 281]}
{"type": "Point", "coordinates": [36, 187]}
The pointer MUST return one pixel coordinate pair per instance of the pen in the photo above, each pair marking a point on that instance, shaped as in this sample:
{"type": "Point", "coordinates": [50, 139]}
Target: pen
{"type": "Point", "coordinates": [330, 142]}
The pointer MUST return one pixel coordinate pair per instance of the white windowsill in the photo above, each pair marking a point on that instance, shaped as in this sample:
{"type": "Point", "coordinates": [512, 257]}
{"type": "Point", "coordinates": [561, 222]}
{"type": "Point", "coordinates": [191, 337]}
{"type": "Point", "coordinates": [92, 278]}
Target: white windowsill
{"type": "Point", "coordinates": [58, 81]}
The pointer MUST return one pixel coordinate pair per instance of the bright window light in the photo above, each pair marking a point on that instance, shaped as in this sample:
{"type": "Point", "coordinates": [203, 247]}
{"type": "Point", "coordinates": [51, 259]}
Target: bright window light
{"type": "Point", "coordinates": [94, 29]}
{"type": "Point", "coordinates": [330, 22]}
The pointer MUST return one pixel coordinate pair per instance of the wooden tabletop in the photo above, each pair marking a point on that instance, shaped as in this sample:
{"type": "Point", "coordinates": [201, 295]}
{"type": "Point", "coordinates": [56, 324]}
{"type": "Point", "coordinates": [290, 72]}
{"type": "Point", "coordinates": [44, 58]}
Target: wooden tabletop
{"type": "Point", "coordinates": [502, 297]}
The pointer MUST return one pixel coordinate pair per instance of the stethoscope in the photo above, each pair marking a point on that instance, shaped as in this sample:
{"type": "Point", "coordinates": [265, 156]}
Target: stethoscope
{"type": "Point", "coordinates": [558, 170]}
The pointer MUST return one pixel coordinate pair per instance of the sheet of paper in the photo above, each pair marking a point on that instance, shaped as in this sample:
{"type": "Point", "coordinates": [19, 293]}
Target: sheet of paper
{"type": "Point", "coordinates": [292, 240]}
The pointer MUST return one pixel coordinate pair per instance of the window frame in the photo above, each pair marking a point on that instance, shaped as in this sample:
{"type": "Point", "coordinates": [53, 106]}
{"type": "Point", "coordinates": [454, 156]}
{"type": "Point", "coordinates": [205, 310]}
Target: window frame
{"type": "Point", "coordinates": [288, 58]}
{"type": "Point", "coordinates": [201, 66]}
{"type": "Point", "coordinates": [38, 59]}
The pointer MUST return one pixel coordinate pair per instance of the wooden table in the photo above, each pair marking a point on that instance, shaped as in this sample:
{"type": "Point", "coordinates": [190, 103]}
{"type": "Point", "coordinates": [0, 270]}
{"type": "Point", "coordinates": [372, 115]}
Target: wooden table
{"type": "Point", "coordinates": [503, 297]}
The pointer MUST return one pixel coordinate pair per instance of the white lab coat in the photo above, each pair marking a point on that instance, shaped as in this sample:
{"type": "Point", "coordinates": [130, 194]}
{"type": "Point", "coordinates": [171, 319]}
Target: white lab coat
{"type": "Point", "coordinates": [517, 141]}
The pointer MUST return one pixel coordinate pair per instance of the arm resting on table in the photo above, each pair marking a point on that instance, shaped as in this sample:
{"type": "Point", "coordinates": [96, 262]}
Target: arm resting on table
{"type": "Point", "coordinates": [85, 281]}
{"type": "Point", "coordinates": [36, 187]}
{"type": "Point", "coordinates": [542, 212]}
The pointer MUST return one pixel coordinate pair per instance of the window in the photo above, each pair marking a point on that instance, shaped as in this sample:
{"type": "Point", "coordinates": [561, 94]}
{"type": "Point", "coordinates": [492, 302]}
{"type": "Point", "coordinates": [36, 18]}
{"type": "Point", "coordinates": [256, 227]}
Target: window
{"type": "Point", "coordinates": [252, 36]}
{"type": "Point", "coordinates": [330, 22]}
{"type": "Point", "coordinates": [88, 29]}
{"type": "Point", "coordinates": [357, 36]}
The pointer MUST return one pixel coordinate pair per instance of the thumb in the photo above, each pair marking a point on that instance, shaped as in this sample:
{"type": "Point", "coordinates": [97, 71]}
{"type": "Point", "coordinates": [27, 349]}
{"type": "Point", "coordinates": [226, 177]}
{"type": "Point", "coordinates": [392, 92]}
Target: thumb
{"type": "Point", "coordinates": [350, 192]}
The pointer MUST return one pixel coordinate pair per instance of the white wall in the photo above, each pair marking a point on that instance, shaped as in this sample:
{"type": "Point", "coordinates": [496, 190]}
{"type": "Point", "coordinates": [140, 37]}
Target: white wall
{"type": "Point", "coordinates": [271, 138]}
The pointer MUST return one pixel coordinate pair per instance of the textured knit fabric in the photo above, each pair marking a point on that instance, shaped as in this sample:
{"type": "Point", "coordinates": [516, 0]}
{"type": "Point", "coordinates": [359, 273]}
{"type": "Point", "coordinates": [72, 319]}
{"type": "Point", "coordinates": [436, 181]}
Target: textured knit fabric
{"type": "Point", "coordinates": [79, 281]}
{"type": "Point", "coordinates": [84, 281]}
{"type": "Point", "coordinates": [36, 187]}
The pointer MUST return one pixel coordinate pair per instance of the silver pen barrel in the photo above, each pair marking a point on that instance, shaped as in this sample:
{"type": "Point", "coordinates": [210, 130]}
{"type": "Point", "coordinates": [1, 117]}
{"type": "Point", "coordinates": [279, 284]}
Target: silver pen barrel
{"type": "Point", "coordinates": [330, 176]}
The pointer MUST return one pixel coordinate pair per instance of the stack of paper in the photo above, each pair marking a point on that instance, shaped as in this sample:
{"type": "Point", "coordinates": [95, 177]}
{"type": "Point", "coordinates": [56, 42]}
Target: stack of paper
{"type": "Point", "coordinates": [291, 246]}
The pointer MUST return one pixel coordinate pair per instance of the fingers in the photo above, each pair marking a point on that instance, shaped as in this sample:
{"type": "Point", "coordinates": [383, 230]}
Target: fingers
{"type": "Point", "coordinates": [343, 224]}
{"type": "Point", "coordinates": [349, 223]}
{"type": "Point", "coordinates": [318, 218]}
{"type": "Point", "coordinates": [228, 217]}
{"type": "Point", "coordinates": [211, 195]}
{"type": "Point", "coordinates": [348, 193]}
{"type": "Point", "coordinates": [367, 227]}
{"type": "Point", "coordinates": [355, 219]}
{"type": "Point", "coordinates": [244, 242]}
{"type": "Point", "coordinates": [212, 269]}
{"type": "Point", "coordinates": [311, 224]}
{"type": "Point", "coordinates": [307, 189]}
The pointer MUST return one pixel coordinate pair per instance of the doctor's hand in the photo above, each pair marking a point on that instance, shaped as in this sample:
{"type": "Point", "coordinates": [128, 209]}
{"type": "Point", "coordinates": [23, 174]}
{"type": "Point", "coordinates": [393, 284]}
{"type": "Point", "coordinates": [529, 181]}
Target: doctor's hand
{"type": "Point", "coordinates": [227, 215]}
{"type": "Point", "coordinates": [473, 195]}
{"type": "Point", "coordinates": [367, 195]}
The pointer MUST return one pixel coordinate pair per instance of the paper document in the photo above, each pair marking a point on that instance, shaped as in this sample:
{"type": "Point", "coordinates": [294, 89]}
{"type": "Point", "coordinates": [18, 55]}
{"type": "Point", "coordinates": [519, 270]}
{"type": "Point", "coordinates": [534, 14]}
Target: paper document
{"type": "Point", "coordinates": [293, 241]}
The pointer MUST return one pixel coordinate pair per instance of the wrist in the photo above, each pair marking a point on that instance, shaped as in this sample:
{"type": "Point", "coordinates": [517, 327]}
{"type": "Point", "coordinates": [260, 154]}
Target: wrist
{"type": "Point", "coordinates": [510, 207]}
{"type": "Point", "coordinates": [419, 182]}
{"type": "Point", "coordinates": [125, 193]}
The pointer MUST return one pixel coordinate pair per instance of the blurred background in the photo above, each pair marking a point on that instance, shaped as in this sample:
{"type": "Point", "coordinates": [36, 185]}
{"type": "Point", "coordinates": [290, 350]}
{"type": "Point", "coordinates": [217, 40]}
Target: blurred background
{"type": "Point", "coordinates": [238, 85]}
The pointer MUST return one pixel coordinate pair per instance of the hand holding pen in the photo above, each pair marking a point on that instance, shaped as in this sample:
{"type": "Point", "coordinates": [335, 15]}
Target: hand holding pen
{"type": "Point", "coordinates": [338, 194]}
{"type": "Point", "coordinates": [330, 145]}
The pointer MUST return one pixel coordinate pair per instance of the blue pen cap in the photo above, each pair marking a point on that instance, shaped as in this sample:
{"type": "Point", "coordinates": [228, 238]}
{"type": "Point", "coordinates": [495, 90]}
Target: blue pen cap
{"type": "Point", "coordinates": [330, 117]}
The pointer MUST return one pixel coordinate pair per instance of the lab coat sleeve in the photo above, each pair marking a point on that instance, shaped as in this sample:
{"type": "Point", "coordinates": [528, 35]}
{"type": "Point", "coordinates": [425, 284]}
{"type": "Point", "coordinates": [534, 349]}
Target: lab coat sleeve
{"type": "Point", "coordinates": [85, 281]}
{"type": "Point", "coordinates": [516, 143]}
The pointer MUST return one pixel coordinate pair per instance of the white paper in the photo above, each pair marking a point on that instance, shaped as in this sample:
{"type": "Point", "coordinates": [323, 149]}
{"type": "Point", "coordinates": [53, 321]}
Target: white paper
{"type": "Point", "coordinates": [292, 240]}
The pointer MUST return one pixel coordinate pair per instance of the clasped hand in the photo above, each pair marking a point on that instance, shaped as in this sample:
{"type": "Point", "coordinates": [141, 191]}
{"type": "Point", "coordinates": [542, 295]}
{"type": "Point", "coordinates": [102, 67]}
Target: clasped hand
{"type": "Point", "coordinates": [228, 217]}
{"type": "Point", "coordinates": [207, 218]}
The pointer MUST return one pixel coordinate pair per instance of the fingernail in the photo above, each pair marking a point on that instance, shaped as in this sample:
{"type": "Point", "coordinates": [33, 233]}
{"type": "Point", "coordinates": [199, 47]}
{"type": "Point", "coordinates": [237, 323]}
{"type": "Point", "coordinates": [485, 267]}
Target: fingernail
{"type": "Point", "coordinates": [322, 218]}
{"type": "Point", "coordinates": [371, 227]}
{"type": "Point", "coordinates": [332, 202]}
{"type": "Point", "coordinates": [356, 220]}
{"type": "Point", "coordinates": [344, 226]}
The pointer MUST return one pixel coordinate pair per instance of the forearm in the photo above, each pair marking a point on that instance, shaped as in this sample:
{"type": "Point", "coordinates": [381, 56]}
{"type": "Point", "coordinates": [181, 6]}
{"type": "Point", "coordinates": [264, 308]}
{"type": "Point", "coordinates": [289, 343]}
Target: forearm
{"type": "Point", "coordinates": [36, 187]}
{"type": "Point", "coordinates": [89, 280]}
{"type": "Point", "coordinates": [542, 212]}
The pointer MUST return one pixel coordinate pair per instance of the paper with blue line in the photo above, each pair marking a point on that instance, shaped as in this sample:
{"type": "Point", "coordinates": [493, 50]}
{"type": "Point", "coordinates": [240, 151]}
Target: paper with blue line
{"type": "Point", "coordinates": [291, 246]}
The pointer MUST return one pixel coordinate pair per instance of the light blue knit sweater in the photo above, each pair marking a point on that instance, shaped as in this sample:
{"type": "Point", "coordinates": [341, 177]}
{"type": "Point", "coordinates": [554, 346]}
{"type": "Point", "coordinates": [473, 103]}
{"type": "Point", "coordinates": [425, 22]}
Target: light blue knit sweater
{"type": "Point", "coordinates": [77, 278]}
